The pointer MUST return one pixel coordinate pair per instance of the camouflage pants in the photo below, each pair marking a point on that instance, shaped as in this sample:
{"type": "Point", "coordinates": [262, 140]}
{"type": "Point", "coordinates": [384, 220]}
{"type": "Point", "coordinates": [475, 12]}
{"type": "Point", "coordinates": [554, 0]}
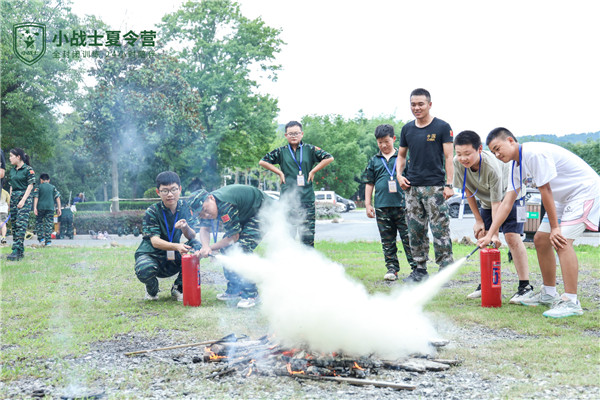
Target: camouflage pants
{"type": "Point", "coordinates": [66, 223]}
{"type": "Point", "coordinates": [303, 222]}
{"type": "Point", "coordinates": [250, 237]}
{"type": "Point", "coordinates": [425, 205]}
{"type": "Point", "coordinates": [43, 225]}
{"type": "Point", "coordinates": [391, 221]}
{"type": "Point", "coordinates": [19, 219]}
{"type": "Point", "coordinates": [149, 267]}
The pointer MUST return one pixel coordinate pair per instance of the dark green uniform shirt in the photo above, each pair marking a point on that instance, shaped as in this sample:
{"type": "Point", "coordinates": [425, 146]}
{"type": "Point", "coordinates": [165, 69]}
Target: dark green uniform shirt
{"type": "Point", "coordinates": [311, 155]}
{"type": "Point", "coordinates": [378, 175]}
{"type": "Point", "coordinates": [47, 195]}
{"type": "Point", "coordinates": [154, 225]}
{"type": "Point", "coordinates": [237, 204]}
{"type": "Point", "coordinates": [22, 177]}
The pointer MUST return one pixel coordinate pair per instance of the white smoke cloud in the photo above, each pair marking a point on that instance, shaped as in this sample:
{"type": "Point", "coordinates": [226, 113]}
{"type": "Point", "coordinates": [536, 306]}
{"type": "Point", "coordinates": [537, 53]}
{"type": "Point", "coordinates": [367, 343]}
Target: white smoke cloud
{"type": "Point", "coordinates": [310, 300]}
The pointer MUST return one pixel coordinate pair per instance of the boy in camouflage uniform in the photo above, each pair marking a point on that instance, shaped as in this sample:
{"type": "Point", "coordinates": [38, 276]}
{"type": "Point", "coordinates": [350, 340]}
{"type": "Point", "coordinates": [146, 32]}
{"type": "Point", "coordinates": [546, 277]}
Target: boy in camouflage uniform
{"type": "Point", "coordinates": [159, 254]}
{"type": "Point", "coordinates": [237, 207]}
{"type": "Point", "coordinates": [389, 201]}
{"type": "Point", "coordinates": [44, 197]}
{"type": "Point", "coordinates": [428, 183]}
{"type": "Point", "coordinates": [298, 162]}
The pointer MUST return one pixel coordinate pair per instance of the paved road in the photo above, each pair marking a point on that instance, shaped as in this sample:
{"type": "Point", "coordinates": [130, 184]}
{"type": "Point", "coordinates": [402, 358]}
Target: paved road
{"type": "Point", "coordinates": [354, 225]}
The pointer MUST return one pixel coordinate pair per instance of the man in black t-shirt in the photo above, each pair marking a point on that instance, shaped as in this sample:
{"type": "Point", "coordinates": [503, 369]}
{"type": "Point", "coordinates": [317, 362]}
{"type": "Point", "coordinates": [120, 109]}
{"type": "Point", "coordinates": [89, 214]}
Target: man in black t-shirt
{"type": "Point", "coordinates": [428, 183]}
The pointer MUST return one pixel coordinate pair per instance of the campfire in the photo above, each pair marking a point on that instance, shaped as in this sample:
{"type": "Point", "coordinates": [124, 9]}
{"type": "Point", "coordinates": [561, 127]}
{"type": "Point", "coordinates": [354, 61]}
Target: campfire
{"type": "Point", "coordinates": [267, 357]}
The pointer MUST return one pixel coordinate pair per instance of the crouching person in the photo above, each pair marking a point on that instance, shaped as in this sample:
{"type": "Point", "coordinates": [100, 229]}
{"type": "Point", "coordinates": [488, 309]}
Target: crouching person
{"type": "Point", "coordinates": [159, 254]}
{"type": "Point", "coordinates": [237, 208]}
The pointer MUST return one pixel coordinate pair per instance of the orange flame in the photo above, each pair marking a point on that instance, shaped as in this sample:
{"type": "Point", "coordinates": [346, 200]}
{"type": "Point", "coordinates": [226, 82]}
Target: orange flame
{"type": "Point", "coordinates": [215, 357]}
{"type": "Point", "coordinates": [289, 368]}
{"type": "Point", "coordinates": [358, 366]}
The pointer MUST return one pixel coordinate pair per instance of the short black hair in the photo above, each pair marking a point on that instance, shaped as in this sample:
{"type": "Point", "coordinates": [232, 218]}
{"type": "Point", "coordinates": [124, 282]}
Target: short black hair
{"type": "Point", "coordinates": [44, 177]}
{"type": "Point", "coordinates": [167, 178]}
{"type": "Point", "coordinates": [293, 123]}
{"type": "Point", "coordinates": [384, 130]}
{"type": "Point", "coordinates": [421, 92]}
{"type": "Point", "coordinates": [502, 133]}
{"type": "Point", "coordinates": [468, 137]}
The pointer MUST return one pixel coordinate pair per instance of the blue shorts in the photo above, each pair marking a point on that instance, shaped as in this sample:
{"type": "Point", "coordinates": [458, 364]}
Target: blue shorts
{"type": "Point", "coordinates": [510, 225]}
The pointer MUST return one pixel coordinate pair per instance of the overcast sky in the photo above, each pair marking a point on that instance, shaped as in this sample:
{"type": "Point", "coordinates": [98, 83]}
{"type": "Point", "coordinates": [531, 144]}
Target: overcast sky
{"type": "Point", "coordinates": [530, 66]}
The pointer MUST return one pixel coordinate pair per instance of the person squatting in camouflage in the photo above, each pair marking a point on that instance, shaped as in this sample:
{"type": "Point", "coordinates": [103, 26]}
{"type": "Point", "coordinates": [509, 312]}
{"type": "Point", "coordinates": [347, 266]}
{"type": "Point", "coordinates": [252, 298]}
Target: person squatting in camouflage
{"type": "Point", "coordinates": [237, 207]}
{"type": "Point", "coordinates": [159, 254]}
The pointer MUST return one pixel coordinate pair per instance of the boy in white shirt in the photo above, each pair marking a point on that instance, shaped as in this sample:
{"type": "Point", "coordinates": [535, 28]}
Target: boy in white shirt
{"type": "Point", "coordinates": [570, 191]}
{"type": "Point", "coordinates": [480, 175]}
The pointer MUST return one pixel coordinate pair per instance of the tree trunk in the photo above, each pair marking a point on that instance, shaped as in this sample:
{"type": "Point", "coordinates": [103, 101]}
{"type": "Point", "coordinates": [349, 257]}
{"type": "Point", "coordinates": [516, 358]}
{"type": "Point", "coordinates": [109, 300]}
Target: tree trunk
{"type": "Point", "coordinates": [105, 189]}
{"type": "Point", "coordinates": [114, 160]}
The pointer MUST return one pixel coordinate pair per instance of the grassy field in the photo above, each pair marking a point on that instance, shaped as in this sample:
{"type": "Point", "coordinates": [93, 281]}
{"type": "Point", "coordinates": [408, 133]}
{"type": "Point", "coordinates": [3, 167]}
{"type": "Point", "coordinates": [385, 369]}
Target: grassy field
{"type": "Point", "coordinates": [57, 302]}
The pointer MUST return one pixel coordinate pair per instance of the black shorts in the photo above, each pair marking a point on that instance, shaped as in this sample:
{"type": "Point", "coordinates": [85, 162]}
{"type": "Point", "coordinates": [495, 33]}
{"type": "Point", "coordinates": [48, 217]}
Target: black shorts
{"type": "Point", "coordinates": [510, 225]}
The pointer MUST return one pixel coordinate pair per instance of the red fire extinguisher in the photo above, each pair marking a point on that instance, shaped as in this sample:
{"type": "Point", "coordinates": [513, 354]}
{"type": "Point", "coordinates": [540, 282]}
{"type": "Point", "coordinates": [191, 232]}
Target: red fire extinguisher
{"type": "Point", "coordinates": [491, 284]}
{"type": "Point", "coordinates": [190, 271]}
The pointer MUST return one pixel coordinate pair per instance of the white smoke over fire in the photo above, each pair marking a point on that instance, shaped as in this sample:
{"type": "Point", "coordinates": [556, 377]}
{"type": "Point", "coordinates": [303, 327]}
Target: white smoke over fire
{"type": "Point", "coordinates": [310, 300]}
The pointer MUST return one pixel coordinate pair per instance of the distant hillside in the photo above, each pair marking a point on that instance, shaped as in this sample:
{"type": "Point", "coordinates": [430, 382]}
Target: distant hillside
{"type": "Point", "coordinates": [572, 138]}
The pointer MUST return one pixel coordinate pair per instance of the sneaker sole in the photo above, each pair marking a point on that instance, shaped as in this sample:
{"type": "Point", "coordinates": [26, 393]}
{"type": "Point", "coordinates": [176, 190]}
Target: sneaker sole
{"type": "Point", "coordinates": [573, 314]}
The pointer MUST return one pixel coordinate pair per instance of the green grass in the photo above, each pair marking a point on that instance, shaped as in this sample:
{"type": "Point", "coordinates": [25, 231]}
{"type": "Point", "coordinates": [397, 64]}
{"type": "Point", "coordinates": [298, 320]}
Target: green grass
{"type": "Point", "coordinates": [58, 302]}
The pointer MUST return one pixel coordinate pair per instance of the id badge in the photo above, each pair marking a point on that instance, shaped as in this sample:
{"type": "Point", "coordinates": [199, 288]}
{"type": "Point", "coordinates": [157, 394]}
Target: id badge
{"type": "Point", "coordinates": [392, 187]}
{"type": "Point", "coordinates": [300, 180]}
{"type": "Point", "coordinates": [170, 254]}
{"type": "Point", "coordinates": [521, 214]}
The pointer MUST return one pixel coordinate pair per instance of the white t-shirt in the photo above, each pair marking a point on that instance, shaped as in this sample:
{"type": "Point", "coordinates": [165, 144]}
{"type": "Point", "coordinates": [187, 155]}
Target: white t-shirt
{"type": "Point", "coordinates": [569, 176]}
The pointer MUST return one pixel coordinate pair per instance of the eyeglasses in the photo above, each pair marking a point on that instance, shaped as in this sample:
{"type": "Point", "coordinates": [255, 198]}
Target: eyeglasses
{"type": "Point", "coordinates": [165, 192]}
{"type": "Point", "coordinates": [293, 134]}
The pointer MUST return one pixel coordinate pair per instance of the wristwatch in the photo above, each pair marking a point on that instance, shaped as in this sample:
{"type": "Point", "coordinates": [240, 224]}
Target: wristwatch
{"type": "Point", "coordinates": [449, 185]}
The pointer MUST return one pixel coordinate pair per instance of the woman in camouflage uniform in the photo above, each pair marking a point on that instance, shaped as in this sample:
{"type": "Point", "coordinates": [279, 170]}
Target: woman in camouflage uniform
{"type": "Point", "coordinates": [21, 179]}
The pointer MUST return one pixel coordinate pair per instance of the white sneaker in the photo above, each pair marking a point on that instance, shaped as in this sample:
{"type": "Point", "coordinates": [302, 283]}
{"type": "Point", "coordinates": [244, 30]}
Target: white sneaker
{"type": "Point", "coordinates": [476, 294]}
{"type": "Point", "coordinates": [524, 293]}
{"type": "Point", "coordinates": [150, 298]}
{"type": "Point", "coordinates": [564, 307]}
{"type": "Point", "coordinates": [247, 303]}
{"type": "Point", "coordinates": [390, 276]}
{"type": "Point", "coordinates": [177, 293]}
{"type": "Point", "coordinates": [541, 298]}
{"type": "Point", "coordinates": [227, 296]}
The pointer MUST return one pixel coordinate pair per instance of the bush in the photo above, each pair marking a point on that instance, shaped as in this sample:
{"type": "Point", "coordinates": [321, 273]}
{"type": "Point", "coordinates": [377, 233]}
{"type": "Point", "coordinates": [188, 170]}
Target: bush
{"type": "Point", "coordinates": [326, 211]}
{"type": "Point", "coordinates": [123, 205]}
{"type": "Point", "coordinates": [121, 222]}
{"type": "Point", "coordinates": [151, 193]}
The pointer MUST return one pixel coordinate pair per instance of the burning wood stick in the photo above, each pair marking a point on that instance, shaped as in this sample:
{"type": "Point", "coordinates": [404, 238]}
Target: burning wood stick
{"type": "Point", "coordinates": [359, 382]}
{"type": "Point", "coordinates": [179, 346]}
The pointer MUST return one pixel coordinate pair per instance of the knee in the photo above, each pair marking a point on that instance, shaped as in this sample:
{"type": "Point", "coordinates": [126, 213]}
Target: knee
{"type": "Point", "coordinates": [541, 240]}
{"type": "Point", "coordinates": [145, 269]}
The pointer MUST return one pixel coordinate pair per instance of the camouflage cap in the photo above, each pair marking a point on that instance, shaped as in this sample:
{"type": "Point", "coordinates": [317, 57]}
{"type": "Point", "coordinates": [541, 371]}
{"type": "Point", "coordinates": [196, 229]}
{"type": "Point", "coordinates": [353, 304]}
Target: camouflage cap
{"type": "Point", "coordinates": [197, 199]}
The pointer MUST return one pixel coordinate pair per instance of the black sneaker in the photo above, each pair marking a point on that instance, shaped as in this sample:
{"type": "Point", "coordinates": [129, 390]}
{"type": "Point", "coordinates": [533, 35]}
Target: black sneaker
{"type": "Point", "coordinates": [417, 275]}
{"type": "Point", "coordinates": [14, 256]}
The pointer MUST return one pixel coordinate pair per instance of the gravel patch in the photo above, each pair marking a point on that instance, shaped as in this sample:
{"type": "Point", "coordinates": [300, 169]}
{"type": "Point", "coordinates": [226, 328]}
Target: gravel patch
{"type": "Point", "coordinates": [106, 372]}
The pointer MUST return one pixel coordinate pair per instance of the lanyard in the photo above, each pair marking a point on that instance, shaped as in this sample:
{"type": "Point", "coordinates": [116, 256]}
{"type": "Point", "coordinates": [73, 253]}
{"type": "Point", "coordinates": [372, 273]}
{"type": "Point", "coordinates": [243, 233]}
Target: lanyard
{"type": "Point", "coordinates": [388, 170]}
{"type": "Point", "coordinates": [169, 233]}
{"type": "Point", "coordinates": [215, 229]}
{"type": "Point", "coordinates": [512, 173]}
{"type": "Point", "coordinates": [299, 164]}
{"type": "Point", "coordinates": [465, 181]}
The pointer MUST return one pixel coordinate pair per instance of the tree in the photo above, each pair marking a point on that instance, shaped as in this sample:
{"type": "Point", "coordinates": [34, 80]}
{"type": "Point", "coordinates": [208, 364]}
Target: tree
{"type": "Point", "coordinates": [31, 93]}
{"type": "Point", "coordinates": [221, 50]}
{"type": "Point", "coordinates": [141, 113]}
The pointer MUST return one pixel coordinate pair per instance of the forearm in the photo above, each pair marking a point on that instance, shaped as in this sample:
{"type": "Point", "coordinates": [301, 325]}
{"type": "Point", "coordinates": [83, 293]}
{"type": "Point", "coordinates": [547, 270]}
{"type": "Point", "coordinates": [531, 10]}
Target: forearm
{"type": "Point", "coordinates": [162, 244]}
{"type": "Point", "coordinates": [473, 206]}
{"type": "Point", "coordinates": [368, 193]}
{"type": "Point", "coordinates": [226, 241]}
{"type": "Point", "coordinates": [27, 192]}
{"type": "Point", "coordinates": [322, 164]}
{"type": "Point", "coordinates": [549, 206]}
{"type": "Point", "coordinates": [269, 166]}
{"type": "Point", "coordinates": [205, 236]}
{"type": "Point", "coordinates": [189, 233]}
